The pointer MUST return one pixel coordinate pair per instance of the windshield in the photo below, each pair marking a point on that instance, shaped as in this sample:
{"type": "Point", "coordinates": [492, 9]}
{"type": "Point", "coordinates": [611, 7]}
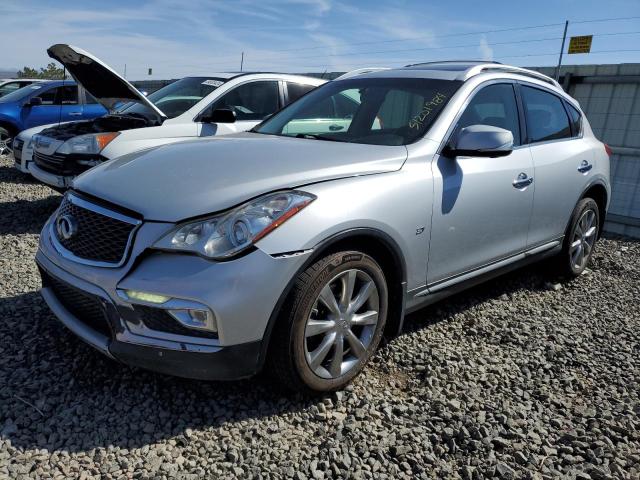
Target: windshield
{"type": "Point", "coordinates": [21, 93]}
{"type": "Point", "coordinates": [176, 98]}
{"type": "Point", "coordinates": [376, 111]}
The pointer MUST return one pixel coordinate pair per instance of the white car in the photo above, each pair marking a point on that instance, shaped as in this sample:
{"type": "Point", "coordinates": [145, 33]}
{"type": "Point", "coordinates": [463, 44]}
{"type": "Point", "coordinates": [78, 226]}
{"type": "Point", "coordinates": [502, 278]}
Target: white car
{"type": "Point", "coordinates": [198, 106]}
{"type": "Point", "coordinates": [8, 85]}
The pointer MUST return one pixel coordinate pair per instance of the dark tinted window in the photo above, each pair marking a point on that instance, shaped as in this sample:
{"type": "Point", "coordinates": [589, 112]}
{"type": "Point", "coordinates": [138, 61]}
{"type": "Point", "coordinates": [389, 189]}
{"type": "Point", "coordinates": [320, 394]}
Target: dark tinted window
{"type": "Point", "coordinates": [296, 90]}
{"type": "Point", "coordinates": [89, 99]}
{"type": "Point", "coordinates": [576, 121]}
{"type": "Point", "coordinates": [67, 95]}
{"type": "Point", "coordinates": [251, 101]}
{"type": "Point", "coordinates": [494, 105]}
{"type": "Point", "coordinates": [546, 117]}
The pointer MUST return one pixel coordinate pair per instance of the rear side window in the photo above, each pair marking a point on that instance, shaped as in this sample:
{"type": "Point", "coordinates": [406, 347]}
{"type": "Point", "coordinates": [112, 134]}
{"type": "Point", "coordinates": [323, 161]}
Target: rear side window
{"type": "Point", "coordinates": [494, 105]}
{"type": "Point", "coordinates": [296, 90]}
{"type": "Point", "coordinates": [546, 116]}
{"type": "Point", "coordinates": [576, 121]}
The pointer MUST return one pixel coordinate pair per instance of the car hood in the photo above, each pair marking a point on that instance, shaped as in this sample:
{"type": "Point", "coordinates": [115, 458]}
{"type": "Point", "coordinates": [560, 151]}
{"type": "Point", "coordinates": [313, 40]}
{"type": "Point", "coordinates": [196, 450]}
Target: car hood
{"type": "Point", "coordinates": [99, 79]}
{"type": "Point", "coordinates": [193, 178]}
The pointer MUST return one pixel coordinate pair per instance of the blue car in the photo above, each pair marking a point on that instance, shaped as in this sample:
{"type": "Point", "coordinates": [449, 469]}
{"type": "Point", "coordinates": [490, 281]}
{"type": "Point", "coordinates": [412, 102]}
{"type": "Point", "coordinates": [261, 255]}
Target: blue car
{"type": "Point", "coordinates": [44, 103]}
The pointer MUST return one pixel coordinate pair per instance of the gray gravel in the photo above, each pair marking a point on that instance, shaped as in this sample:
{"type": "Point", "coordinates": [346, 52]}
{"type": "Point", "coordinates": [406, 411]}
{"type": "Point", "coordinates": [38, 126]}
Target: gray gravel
{"type": "Point", "coordinates": [524, 377]}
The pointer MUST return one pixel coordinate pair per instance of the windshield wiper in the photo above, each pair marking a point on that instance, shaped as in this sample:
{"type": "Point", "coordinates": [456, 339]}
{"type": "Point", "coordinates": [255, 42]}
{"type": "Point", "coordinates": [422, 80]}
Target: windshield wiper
{"type": "Point", "coordinates": [317, 137]}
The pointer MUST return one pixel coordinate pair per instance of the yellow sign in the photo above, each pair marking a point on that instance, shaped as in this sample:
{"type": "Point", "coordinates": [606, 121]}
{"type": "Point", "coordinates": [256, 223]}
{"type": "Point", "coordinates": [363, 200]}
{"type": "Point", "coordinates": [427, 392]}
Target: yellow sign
{"type": "Point", "coordinates": [580, 44]}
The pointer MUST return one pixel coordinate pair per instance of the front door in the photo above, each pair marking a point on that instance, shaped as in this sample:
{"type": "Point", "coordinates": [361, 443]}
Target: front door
{"type": "Point", "coordinates": [482, 206]}
{"type": "Point", "coordinates": [59, 104]}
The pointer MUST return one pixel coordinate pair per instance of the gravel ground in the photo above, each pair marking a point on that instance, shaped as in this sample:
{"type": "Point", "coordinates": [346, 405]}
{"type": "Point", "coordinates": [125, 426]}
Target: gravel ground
{"type": "Point", "coordinates": [520, 378]}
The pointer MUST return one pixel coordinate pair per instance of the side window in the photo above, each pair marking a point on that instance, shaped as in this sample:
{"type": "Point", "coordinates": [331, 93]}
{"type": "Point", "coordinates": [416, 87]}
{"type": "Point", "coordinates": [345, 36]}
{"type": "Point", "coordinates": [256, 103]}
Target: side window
{"type": "Point", "coordinates": [251, 101]}
{"type": "Point", "coordinates": [296, 90]}
{"type": "Point", "coordinates": [576, 121]}
{"type": "Point", "coordinates": [546, 116]}
{"type": "Point", "coordinates": [67, 95]}
{"type": "Point", "coordinates": [49, 97]}
{"type": "Point", "coordinates": [89, 99]}
{"type": "Point", "coordinates": [494, 105]}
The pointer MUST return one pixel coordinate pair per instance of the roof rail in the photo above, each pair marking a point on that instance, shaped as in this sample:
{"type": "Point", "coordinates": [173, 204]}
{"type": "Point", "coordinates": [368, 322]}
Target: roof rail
{"type": "Point", "coordinates": [451, 61]}
{"type": "Point", "coordinates": [360, 71]}
{"type": "Point", "coordinates": [490, 67]}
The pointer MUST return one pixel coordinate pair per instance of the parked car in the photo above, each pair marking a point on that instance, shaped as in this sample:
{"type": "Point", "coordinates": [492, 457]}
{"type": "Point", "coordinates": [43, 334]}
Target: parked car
{"type": "Point", "coordinates": [193, 107]}
{"type": "Point", "coordinates": [45, 103]}
{"type": "Point", "coordinates": [209, 259]}
{"type": "Point", "coordinates": [8, 85]}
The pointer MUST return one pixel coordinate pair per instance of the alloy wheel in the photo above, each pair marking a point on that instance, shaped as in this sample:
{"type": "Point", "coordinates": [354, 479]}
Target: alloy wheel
{"type": "Point", "coordinates": [584, 238]}
{"type": "Point", "coordinates": [342, 324]}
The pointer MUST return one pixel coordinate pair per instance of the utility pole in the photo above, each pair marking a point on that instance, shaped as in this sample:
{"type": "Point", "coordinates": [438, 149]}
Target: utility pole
{"type": "Point", "coordinates": [241, 61]}
{"type": "Point", "coordinates": [125, 71]}
{"type": "Point", "coordinates": [564, 38]}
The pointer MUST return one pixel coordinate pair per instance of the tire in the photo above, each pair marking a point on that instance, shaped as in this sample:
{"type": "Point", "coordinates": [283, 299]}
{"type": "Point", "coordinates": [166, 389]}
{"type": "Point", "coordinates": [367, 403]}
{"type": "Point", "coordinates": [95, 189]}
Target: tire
{"type": "Point", "coordinates": [5, 139]}
{"type": "Point", "coordinates": [579, 245]}
{"type": "Point", "coordinates": [304, 351]}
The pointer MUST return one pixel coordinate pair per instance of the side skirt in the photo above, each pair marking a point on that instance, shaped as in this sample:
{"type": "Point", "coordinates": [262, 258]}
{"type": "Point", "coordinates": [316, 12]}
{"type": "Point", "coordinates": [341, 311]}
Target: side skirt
{"type": "Point", "coordinates": [422, 297]}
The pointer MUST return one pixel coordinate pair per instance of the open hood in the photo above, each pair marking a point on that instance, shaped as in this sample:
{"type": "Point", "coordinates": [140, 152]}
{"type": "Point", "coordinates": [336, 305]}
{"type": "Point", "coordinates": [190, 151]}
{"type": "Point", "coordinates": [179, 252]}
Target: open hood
{"type": "Point", "coordinates": [99, 79]}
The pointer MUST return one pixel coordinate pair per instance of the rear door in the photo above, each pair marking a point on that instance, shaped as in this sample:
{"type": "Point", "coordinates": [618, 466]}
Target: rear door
{"type": "Point", "coordinates": [481, 210]}
{"type": "Point", "coordinates": [559, 155]}
{"type": "Point", "coordinates": [59, 104]}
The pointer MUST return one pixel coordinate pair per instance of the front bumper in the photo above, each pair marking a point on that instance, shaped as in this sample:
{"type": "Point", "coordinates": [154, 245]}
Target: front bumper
{"type": "Point", "coordinates": [242, 293]}
{"type": "Point", "coordinates": [52, 179]}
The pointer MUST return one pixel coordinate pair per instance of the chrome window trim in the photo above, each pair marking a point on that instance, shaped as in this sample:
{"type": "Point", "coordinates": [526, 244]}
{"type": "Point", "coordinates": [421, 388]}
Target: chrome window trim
{"type": "Point", "coordinates": [102, 211]}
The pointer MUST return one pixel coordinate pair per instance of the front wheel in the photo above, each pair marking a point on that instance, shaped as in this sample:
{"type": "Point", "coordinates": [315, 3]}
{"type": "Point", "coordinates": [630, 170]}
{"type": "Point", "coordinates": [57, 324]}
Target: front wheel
{"type": "Point", "coordinates": [5, 142]}
{"type": "Point", "coordinates": [581, 237]}
{"type": "Point", "coordinates": [331, 325]}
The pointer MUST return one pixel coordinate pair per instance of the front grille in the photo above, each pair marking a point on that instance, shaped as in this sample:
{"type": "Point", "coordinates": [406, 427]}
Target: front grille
{"type": "Point", "coordinates": [86, 307]}
{"type": "Point", "coordinates": [160, 320]}
{"type": "Point", "coordinates": [98, 237]}
{"type": "Point", "coordinates": [52, 163]}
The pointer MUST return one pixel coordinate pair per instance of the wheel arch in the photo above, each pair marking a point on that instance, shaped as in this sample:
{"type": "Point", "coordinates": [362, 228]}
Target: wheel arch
{"type": "Point", "coordinates": [600, 195]}
{"type": "Point", "coordinates": [375, 243]}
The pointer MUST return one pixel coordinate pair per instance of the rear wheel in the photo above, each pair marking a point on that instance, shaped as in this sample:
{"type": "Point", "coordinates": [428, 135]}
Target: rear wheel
{"type": "Point", "coordinates": [580, 241]}
{"type": "Point", "coordinates": [331, 325]}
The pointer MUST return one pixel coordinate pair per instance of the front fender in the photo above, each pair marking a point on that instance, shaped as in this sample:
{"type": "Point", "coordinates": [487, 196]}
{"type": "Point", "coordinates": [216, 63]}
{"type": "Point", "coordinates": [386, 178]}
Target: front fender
{"type": "Point", "coordinates": [397, 204]}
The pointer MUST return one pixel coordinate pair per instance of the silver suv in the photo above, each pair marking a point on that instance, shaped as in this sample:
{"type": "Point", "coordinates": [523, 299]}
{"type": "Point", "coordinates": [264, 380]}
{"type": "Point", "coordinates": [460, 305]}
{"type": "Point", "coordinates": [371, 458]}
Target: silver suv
{"type": "Point", "coordinates": [301, 244]}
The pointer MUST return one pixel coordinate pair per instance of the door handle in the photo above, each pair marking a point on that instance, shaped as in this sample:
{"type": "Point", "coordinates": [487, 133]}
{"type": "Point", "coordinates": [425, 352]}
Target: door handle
{"type": "Point", "coordinates": [584, 166]}
{"type": "Point", "coordinates": [75, 114]}
{"type": "Point", "coordinates": [335, 128]}
{"type": "Point", "coordinates": [522, 181]}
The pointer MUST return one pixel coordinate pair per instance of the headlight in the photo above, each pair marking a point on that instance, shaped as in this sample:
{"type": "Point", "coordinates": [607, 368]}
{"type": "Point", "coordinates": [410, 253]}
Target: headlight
{"type": "Point", "coordinates": [227, 234]}
{"type": "Point", "coordinates": [90, 144]}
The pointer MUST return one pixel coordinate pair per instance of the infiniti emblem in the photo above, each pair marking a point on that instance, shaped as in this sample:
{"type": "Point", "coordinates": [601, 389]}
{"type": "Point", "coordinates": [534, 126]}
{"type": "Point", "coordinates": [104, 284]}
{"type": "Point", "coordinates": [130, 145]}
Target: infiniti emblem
{"type": "Point", "coordinates": [66, 226]}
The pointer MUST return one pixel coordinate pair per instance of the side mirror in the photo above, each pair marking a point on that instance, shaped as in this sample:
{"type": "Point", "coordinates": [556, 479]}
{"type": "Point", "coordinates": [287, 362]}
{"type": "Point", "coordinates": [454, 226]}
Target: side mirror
{"type": "Point", "coordinates": [34, 102]}
{"type": "Point", "coordinates": [481, 141]}
{"type": "Point", "coordinates": [221, 115]}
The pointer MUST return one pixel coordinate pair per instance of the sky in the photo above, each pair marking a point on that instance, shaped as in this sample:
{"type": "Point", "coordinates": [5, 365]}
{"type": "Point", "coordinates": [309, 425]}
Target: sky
{"type": "Point", "coordinates": [199, 37]}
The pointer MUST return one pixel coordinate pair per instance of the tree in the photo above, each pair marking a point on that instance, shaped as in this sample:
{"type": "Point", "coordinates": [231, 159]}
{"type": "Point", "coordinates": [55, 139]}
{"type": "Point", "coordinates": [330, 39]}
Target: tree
{"type": "Point", "coordinates": [50, 72]}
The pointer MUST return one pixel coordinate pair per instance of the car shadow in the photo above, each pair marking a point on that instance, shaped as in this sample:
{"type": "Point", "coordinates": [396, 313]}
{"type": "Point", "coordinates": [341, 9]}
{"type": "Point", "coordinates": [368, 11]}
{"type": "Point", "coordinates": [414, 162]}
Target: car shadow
{"type": "Point", "coordinates": [58, 393]}
{"type": "Point", "coordinates": [10, 174]}
{"type": "Point", "coordinates": [26, 216]}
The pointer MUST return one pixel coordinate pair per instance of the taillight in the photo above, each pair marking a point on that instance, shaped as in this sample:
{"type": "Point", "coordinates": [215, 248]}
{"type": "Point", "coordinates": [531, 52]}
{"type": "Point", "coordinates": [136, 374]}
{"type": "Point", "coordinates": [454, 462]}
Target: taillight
{"type": "Point", "coordinates": [607, 149]}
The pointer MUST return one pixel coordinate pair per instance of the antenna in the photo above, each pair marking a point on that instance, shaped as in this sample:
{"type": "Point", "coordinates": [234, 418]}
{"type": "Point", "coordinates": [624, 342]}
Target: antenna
{"type": "Point", "coordinates": [64, 76]}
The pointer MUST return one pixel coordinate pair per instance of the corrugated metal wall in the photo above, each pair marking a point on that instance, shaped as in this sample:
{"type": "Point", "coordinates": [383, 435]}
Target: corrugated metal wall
{"type": "Point", "coordinates": [610, 97]}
